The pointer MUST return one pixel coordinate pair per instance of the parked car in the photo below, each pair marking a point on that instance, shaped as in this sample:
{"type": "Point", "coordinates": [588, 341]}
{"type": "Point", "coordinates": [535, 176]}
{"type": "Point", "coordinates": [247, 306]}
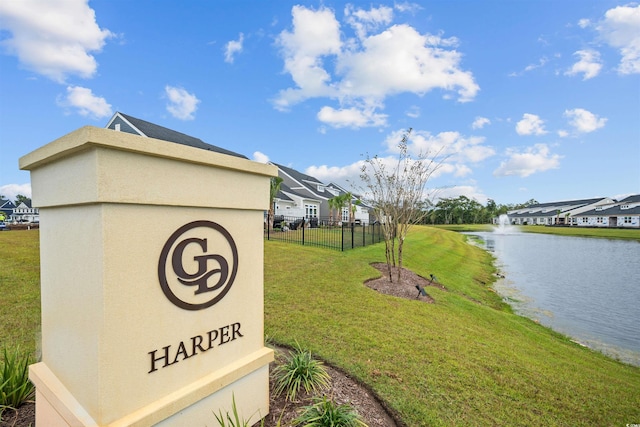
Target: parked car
{"type": "Point", "coordinates": [3, 226]}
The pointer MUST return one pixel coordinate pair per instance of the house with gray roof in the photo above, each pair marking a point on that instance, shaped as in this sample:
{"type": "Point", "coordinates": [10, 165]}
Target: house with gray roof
{"type": "Point", "coordinates": [555, 213]}
{"type": "Point", "coordinates": [7, 207]}
{"type": "Point", "coordinates": [623, 214]}
{"type": "Point", "coordinates": [309, 197]}
{"type": "Point", "coordinates": [124, 123]}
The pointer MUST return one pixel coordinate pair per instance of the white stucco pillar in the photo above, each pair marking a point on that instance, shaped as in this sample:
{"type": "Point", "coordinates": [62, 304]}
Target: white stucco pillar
{"type": "Point", "coordinates": [152, 282]}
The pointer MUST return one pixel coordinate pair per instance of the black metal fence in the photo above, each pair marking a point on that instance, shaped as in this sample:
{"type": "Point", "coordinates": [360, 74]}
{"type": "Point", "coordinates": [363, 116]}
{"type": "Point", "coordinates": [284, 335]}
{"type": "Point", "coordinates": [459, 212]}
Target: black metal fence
{"type": "Point", "coordinates": [323, 232]}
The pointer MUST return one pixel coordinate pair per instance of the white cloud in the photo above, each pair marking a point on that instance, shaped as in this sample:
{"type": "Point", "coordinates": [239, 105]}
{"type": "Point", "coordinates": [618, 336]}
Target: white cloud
{"type": "Point", "coordinates": [589, 64]}
{"type": "Point", "coordinates": [351, 117]}
{"type": "Point", "coordinates": [451, 145]}
{"type": "Point", "coordinates": [10, 191]}
{"type": "Point", "coordinates": [369, 68]}
{"type": "Point", "coordinates": [182, 104]}
{"type": "Point", "coordinates": [86, 102]}
{"type": "Point", "coordinates": [347, 176]}
{"type": "Point", "coordinates": [413, 112]}
{"type": "Point", "coordinates": [55, 38]}
{"type": "Point", "coordinates": [534, 159]}
{"type": "Point", "coordinates": [402, 60]}
{"type": "Point", "coordinates": [541, 63]}
{"type": "Point", "coordinates": [563, 133]}
{"type": "Point", "coordinates": [455, 156]}
{"type": "Point", "coordinates": [584, 23]}
{"type": "Point", "coordinates": [480, 122]}
{"type": "Point", "coordinates": [619, 29]}
{"type": "Point", "coordinates": [260, 157]}
{"type": "Point", "coordinates": [364, 21]}
{"type": "Point", "coordinates": [407, 7]}
{"type": "Point", "coordinates": [470, 191]}
{"type": "Point", "coordinates": [233, 47]}
{"type": "Point", "coordinates": [584, 121]}
{"type": "Point", "coordinates": [315, 34]}
{"type": "Point", "coordinates": [530, 124]}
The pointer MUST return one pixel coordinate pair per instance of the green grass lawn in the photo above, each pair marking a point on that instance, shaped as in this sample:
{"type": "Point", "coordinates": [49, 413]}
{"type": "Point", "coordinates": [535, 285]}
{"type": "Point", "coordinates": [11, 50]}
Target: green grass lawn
{"type": "Point", "coordinates": [465, 360]}
{"type": "Point", "coordinates": [19, 290]}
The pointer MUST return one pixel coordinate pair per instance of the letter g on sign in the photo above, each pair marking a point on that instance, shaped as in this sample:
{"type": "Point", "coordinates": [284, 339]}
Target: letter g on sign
{"type": "Point", "coordinates": [198, 265]}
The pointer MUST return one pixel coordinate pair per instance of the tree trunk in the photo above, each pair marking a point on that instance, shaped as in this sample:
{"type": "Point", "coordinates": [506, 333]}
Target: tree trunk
{"type": "Point", "coordinates": [270, 216]}
{"type": "Point", "coordinates": [400, 244]}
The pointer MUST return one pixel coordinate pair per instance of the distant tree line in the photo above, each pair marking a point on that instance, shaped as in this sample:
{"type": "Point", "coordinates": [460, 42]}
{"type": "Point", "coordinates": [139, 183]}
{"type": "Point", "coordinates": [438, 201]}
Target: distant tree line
{"type": "Point", "coordinates": [463, 210]}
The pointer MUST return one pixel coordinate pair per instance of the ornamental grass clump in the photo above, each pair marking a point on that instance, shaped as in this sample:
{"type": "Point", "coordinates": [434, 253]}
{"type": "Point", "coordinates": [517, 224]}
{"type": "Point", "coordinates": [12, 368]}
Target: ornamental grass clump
{"type": "Point", "coordinates": [326, 413]}
{"type": "Point", "coordinates": [15, 386]}
{"type": "Point", "coordinates": [299, 371]}
{"type": "Point", "coordinates": [233, 419]}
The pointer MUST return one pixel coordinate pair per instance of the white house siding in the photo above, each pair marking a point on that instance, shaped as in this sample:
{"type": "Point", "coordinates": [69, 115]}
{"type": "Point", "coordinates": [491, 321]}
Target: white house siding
{"type": "Point", "coordinates": [593, 221]}
{"type": "Point", "coordinates": [629, 221]}
{"type": "Point", "coordinates": [288, 208]}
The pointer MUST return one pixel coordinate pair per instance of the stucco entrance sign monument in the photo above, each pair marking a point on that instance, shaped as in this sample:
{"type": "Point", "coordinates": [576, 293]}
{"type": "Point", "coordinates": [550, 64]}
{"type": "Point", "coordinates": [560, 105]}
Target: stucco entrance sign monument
{"type": "Point", "coordinates": [152, 282]}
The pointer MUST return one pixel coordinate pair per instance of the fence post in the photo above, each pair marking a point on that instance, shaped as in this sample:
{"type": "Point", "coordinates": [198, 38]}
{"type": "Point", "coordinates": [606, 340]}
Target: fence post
{"type": "Point", "coordinates": [342, 236]}
{"type": "Point", "coordinates": [352, 235]}
{"type": "Point", "coordinates": [303, 227]}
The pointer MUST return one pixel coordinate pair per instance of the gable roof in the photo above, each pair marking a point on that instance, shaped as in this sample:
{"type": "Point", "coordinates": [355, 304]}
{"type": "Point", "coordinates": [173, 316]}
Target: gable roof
{"type": "Point", "coordinates": [627, 206]}
{"type": "Point", "coordinates": [298, 176]}
{"type": "Point", "coordinates": [24, 204]}
{"type": "Point", "coordinates": [635, 198]}
{"type": "Point", "coordinates": [7, 206]}
{"type": "Point", "coordinates": [140, 127]}
{"type": "Point", "coordinates": [552, 208]}
{"type": "Point", "coordinates": [612, 211]}
{"type": "Point", "coordinates": [285, 191]}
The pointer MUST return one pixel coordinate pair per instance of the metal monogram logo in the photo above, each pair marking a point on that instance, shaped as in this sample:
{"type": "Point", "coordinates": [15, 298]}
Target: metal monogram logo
{"type": "Point", "coordinates": [198, 265]}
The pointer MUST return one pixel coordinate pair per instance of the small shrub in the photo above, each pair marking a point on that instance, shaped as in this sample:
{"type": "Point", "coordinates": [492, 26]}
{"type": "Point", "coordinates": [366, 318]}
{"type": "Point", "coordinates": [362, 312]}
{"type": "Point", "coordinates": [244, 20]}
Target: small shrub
{"type": "Point", "coordinates": [300, 370]}
{"type": "Point", "coordinates": [15, 386]}
{"type": "Point", "coordinates": [325, 413]}
{"type": "Point", "coordinates": [229, 421]}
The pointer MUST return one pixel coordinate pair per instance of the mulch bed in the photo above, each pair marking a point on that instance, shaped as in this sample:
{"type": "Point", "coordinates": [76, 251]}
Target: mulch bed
{"type": "Point", "coordinates": [24, 416]}
{"type": "Point", "coordinates": [344, 389]}
{"type": "Point", "coordinates": [406, 288]}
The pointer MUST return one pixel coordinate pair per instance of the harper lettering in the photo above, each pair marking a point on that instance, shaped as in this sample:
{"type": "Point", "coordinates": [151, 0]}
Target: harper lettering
{"type": "Point", "coordinates": [193, 346]}
{"type": "Point", "coordinates": [203, 256]}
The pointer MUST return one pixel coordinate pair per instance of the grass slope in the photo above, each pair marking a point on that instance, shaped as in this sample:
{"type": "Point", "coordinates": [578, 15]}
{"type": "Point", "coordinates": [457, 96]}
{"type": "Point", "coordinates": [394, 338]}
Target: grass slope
{"type": "Point", "coordinates": [467, 359]}
{"type": "Point", "coordinates": [19, 290]}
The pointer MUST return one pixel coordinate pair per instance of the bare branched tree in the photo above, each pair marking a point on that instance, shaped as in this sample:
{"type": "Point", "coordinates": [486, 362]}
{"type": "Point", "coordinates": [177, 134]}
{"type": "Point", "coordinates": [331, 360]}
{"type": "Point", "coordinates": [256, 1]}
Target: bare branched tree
{"type": "Point", "coordinates": [397, 192]}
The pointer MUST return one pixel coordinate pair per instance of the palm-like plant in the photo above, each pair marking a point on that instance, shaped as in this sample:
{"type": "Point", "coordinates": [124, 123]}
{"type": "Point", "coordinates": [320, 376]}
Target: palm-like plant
{"type": "Point", "coordinates": [274, 188]}
{"type": "Point", "coordinates": [299, 371]}
{"type": "Point", "coordinates": [326, 413]}
{"type": "Point", "coordinates": [15, 387]}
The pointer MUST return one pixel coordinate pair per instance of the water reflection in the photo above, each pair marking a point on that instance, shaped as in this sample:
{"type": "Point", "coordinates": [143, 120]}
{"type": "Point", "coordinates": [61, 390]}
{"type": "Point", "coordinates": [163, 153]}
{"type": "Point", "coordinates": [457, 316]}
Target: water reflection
{"type": "Point", "coordinates": [583, 287]}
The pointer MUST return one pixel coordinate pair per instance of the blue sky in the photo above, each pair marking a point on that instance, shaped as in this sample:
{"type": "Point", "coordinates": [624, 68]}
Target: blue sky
{"type": "Point", "coordinates": [521, 99]}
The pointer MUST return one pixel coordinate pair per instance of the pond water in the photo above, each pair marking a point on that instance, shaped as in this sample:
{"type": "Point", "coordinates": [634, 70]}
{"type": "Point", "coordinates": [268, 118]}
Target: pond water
{"type": "Point", "coordinates": [586, 288]}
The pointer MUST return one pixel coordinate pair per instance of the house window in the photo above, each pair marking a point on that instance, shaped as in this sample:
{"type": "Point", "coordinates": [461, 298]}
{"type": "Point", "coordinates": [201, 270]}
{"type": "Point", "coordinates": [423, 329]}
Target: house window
{"type": "Point", "coordinates": [585, 219]}
{"type": "Point", "coordinates": [627, 220]}
{"type": "Point", "coordinates": [311, 211]}
{"type": "Point", "coordinates": [599, 220]}
{"type": "Point", "coordinates": [321, 188]}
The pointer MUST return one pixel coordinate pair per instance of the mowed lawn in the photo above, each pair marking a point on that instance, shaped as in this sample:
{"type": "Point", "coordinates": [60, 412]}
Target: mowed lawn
{"type": "Point", "coordinates": [465, 360]}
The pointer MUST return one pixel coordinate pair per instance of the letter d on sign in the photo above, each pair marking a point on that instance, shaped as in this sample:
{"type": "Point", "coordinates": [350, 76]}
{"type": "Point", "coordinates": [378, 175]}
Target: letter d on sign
{"type": "Point", "coordinates": [203, 256]}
